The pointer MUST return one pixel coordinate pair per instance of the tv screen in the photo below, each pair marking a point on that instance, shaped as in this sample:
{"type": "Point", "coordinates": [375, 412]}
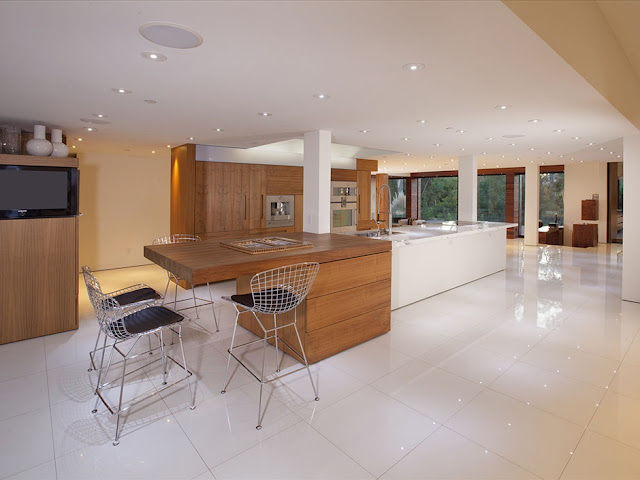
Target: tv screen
{"type": "Point", "coordinates": [30, 191]}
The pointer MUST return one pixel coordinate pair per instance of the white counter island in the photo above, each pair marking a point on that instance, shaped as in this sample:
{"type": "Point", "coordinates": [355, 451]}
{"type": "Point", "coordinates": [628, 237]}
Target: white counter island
{"type": "Point", "coordinates": [431, 258]}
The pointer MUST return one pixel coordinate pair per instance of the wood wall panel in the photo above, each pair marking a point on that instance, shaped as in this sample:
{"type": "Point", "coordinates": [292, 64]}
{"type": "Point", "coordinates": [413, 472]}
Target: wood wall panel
{"type": "Point", "coordinates": [335, 338]}
{"type": "Point", "coordinates": [183, 189]}
{"type": "Point", "coordinates": [364, 200]}
{"type": "Point", "coordinates": [343, 175]}
{"type": "Point", "coordinates": [345, 274]}
{"type": "Point", "coordinates": [284, 180]}
{"type": "Point", "coordinates": [39, 277]}
{"type": "Point", "coordinates": [329, 309]}
{"type": "Point", "coordinates": [257, 196]}
{"type": "Point", "coordinates": [299, 213]}
{"type": "Point", "coordinates": [369, 165]}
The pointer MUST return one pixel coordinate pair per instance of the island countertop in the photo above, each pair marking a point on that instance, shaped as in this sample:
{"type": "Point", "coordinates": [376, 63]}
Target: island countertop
{"type": "Point", "coordinates": [208, 261]}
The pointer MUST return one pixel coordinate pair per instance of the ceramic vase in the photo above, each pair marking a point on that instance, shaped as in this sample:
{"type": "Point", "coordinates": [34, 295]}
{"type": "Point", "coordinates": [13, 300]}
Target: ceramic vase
{"type": "Point", "coordinates": [59, 148]}
{"type": "Point", "coordinates": [39, 145]}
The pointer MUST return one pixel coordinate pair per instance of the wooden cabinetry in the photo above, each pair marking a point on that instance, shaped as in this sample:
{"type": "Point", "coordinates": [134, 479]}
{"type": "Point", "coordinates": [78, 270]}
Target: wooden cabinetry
{"type": "Point", "coordinates": [364, 200]}
{"type": "Point", "coordinates": [584, 235]}
{"type": "Point", "coordinates": [221, 198]}
{"type": "Point", "coordinates": [257, 197]}
{"type": "Point", "coordinates": [38, 269]}
{"type": "Point", "coordinates": [589, 210]}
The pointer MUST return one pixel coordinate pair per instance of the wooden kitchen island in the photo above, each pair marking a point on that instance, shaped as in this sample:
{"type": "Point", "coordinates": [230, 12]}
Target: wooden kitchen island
{"type": "Point", "coordinates": [349, 302]}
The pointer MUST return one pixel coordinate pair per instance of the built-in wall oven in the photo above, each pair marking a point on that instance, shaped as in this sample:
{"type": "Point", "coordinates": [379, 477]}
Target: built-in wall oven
{"type": "Point", "coordinates": [344, 207]}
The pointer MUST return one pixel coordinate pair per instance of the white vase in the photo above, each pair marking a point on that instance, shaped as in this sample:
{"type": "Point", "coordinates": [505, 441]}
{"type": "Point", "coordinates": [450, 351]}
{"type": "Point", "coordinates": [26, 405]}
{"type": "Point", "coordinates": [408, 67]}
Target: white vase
{"type": "Point", "coordinates": [59, 148]}
{"type": "Point", "coordinates": [39, 145]}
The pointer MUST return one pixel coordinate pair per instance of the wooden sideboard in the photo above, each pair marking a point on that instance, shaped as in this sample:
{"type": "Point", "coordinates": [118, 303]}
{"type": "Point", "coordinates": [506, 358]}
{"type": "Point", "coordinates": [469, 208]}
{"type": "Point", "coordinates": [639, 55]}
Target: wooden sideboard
{"type": "Point", "coordinates": [38, 268]}
{"type": "Point", "coordinates": [584, 235]}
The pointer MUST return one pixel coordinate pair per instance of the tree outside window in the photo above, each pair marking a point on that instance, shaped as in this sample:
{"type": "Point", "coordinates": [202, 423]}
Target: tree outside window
{"type": "Point", "coordinates": [552, 198]}
{"type": "Point", "coordinates": [438, 198]}
{"type": "Point", "coordinates": [398, 189]}
{"type": "Point", "coordinates": [492, 191]}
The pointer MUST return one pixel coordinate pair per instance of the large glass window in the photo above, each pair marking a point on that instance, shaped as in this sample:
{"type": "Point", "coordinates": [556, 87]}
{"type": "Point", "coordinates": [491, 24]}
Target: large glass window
{"type": "Point", "coordinates": [552, 198]}
{"type": "Point", "coordinates": [492, 198]}
{"type": "Point", "coordinates": [398, 188]}
{"type": "Point", "coordinates": [438, 198]}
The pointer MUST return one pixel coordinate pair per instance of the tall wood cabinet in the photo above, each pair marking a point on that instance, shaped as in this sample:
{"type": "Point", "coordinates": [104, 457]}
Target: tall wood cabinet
{"type": "Point", "coordinates": [38, 269]}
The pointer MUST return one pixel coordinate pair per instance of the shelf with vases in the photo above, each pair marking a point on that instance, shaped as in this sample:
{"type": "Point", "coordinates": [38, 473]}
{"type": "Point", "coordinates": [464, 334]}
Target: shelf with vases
{"type": "Point", "coordinates": [6, 159]}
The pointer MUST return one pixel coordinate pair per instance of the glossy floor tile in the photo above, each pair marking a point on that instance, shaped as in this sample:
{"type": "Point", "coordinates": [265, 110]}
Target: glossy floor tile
{"type": "Point", "coordinates": [530, 373]}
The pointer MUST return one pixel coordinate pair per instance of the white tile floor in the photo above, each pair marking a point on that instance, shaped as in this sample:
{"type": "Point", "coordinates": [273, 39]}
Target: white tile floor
{"type": "Point", "coordinates": [530, 373]}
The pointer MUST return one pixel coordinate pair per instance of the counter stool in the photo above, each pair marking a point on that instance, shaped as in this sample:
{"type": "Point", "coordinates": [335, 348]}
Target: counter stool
{"type": "Point", "coordinates": [185, 238]}
{"type": "Point", "coordinates": [273, 292]}
{"type": "Point", "coordinates": [125, 323]}
{"type": "Point", "coordinates": [135, 294]}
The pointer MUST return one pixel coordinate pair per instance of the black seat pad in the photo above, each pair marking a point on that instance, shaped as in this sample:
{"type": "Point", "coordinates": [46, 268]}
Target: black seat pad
{"type": "Point", "coordinates": [135, 296]}
{"type": "Point", "coordinates": [147, 319]}
{"type": "Point", "coordinates": [267, 298]}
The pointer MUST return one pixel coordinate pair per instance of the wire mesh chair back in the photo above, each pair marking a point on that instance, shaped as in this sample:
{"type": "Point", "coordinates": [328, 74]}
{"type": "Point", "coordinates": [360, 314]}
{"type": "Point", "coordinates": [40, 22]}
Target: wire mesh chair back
{"type": "Point", "coordinates": [92, 284]}
{"type": "Point", "coordinates": [282, 289]}
{"type": "Point", "coordinates": [176, 238]}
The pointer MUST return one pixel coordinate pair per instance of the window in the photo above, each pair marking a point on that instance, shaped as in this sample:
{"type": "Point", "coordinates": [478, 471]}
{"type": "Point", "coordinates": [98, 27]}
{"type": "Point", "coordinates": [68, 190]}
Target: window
{"type": "Point", "coordinates": [398, 189]}
{"type": "Point", "coordinates": [492, 191]}
{"type": "Point", "coordinates": [438, 198]}
{"type": "Point", "coordinates": [552, 198]}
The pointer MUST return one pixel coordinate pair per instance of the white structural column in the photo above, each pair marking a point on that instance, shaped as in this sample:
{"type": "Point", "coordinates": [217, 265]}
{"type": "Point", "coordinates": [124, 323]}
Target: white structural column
{"type": "Point", "coordinates": [531, 204]}
{"type": "Point", "coordinates": [317, 182]}
{"type": "Point", "coordinates": [631, 235]}
{"type": "Point", "coordinates": [468, 188]}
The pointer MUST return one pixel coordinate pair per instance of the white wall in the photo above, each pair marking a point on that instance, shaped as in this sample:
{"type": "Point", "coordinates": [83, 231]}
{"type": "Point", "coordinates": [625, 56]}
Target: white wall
{"type": "Point", "coordinates": [581, 181]}
{"type": "Point", "coordinates": [631, 240]}
{"type": "Point", "coordinates": [125, 205]}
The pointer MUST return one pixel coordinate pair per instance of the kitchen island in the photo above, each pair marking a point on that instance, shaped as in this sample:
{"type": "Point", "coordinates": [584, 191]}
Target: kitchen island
{"type": "Point", "coordinates": [349, 302]}
{"type": "Point", "coordinates": [434, 257]}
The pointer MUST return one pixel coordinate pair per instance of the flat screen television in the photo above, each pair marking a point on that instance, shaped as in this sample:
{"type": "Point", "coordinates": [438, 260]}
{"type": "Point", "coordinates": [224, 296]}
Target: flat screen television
{"type": "Point", "coordinates": [33, 192]}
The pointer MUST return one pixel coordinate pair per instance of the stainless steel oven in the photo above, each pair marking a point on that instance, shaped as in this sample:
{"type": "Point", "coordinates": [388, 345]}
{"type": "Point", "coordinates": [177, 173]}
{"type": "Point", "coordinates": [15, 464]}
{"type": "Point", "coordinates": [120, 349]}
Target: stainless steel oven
{"type": "Point", "coordinates": [344, 207]}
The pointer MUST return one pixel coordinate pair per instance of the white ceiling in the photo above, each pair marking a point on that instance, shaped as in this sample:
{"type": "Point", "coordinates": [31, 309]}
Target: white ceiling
{"type": "Point", "coordinates": [61, 60]}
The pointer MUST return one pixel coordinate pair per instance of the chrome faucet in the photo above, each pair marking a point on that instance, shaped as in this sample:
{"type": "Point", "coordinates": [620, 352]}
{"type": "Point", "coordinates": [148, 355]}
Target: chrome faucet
{"type": "Point", "coordinates": [388, 212]}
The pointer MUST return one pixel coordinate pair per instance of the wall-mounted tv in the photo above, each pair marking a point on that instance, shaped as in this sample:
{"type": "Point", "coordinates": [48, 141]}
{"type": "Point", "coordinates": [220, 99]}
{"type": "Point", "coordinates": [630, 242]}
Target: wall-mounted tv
{"type": "Point", "coordinates": [32, 191]}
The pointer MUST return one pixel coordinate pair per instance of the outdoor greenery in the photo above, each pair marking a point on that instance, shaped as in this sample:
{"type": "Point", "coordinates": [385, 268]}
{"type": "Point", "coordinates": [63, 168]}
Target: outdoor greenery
{"type": "Point", "coordinates": [439, 198]}
{"type": "Point", "coordinates": [552, 198]}
{"type": "Point", "coordinates": [492, 198]}
{"type": "Point", "coordinates": [397, 186]}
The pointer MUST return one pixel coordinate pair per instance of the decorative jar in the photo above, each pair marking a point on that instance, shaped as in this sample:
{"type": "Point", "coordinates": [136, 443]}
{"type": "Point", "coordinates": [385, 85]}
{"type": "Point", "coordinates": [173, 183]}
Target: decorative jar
{"type": "Point", "coordinates": [39, 145]}
{"type": "Point", "coordinates": [59, 148]}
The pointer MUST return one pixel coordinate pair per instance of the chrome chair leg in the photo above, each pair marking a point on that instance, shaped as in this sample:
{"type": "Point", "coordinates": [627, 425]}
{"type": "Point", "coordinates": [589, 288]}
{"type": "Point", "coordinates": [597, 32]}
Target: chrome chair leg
{"type": "Point", "coordinates": [103, 374]}
{"type": "Point", "coordinates": [195, 302]}
{"type": "Point", "coordinates": [92, 363]}
{"type": "Point", "coordinates": [116, 440]}
{"type": "Point", "coordinates": [213, 308]}
{"type": "Point", "coordinates": [264, 353]}
{"type": "Point", "coordinates": [275, 334]}
{"type": "Point", "coordinates": [164, 359]}
{"type": "Point", "coordinates": [233, 337]}
{"type": "Point", "coordinates": [192, 400]}
{"type": "Point", "coordinates": [304, 356]}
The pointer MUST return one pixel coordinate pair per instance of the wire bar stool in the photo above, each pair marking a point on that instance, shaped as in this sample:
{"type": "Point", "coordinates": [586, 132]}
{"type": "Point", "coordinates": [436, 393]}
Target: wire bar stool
{"type": "Point", "coordinates": [185, 238]}
{"type": "Point", "coordinates": [123, 323]}
{"type": "Point", "coordinates": [273, 292]}
{"type": "Point", "coordinates": [133, 295]}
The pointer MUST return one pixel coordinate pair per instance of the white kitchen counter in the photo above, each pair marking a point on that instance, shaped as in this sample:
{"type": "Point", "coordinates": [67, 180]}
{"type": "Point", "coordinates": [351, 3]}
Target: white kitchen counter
{"type": "Point", "coordinates": [434, 257]}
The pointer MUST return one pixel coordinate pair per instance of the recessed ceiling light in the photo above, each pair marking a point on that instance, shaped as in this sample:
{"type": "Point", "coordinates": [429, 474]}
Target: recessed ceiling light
{"type": "Point", "coordinates": [168, 146]}
{"type": "Point", "coordinates": [90, 129]}
{"type": "Point", "coordinates": [558, 130]}
{"type": "Point", "coordinates": [460, 131]}
{"type": "Point", "coordinates": [502, 107]}
{"type": "Point", "coordinates": [581, 161]}
{"type": "Point", "coordinates": [218, 130]}
{"type": "Point", "coordinates": [548, 153]}
{"type": "Point", "coordinates": [462, 149]}
{"type": "Point", "coordinates": [489, 138]}
{"type": "Point", "coordinates": [590, 144]}
{"type": "Point", "coordinates": [405, 138]}
{"type": "Point", "coordinates": [618, 156]}
{"type": "Point", "coordinates": [320, 96]}
{"type": "Point", "coordinates": [413, 67]}
{"type": "Point", "coordinates": [431, 156]}
{"type": "Point", "coordinates": [95, 121]}
{"type": "Point", "coordinates": [79, 139]}
{"type": "Point", "coordinates": [73, 146]}
{"type": "Point", "coordinates": [601, 148]}
{"type": "Point", "coordinates": [264, 114]}
{"type": "Point", "coordinates": [575, 138]}
{"type": "Point", "coordinates": [153, 151]}
{"type": "Point", "coordinates": [532, 149]}
{"type": "Point", "coordinates": [100, 115]}
{"type": "Point", "coordinates": [170, 35]}
{"type": "Point", "coordinates": [408, 154]}
{"type": "Point", "coordinates": [512, 144]}
{"type": "Point", "coordinates": [535, 120]}
{"type": "Point", "coordinates": [123, 91]}
{"type": "Point", "coordinates": [484, 153]}
{"type": "Point", "coordinates": [610, 153]}
{"type": "Point", "coordinates": [151, 102]}
{"type": "Point", "coordinates": [191, 138]}
{"type": "Point", "coordinates": [422, 122]}
{"type": "Point", "coordinates": [436, 144]}
{"type": "Point", "coordinates": [365, 131]}
{"type": "Point", "coordinates": [154, 56]}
